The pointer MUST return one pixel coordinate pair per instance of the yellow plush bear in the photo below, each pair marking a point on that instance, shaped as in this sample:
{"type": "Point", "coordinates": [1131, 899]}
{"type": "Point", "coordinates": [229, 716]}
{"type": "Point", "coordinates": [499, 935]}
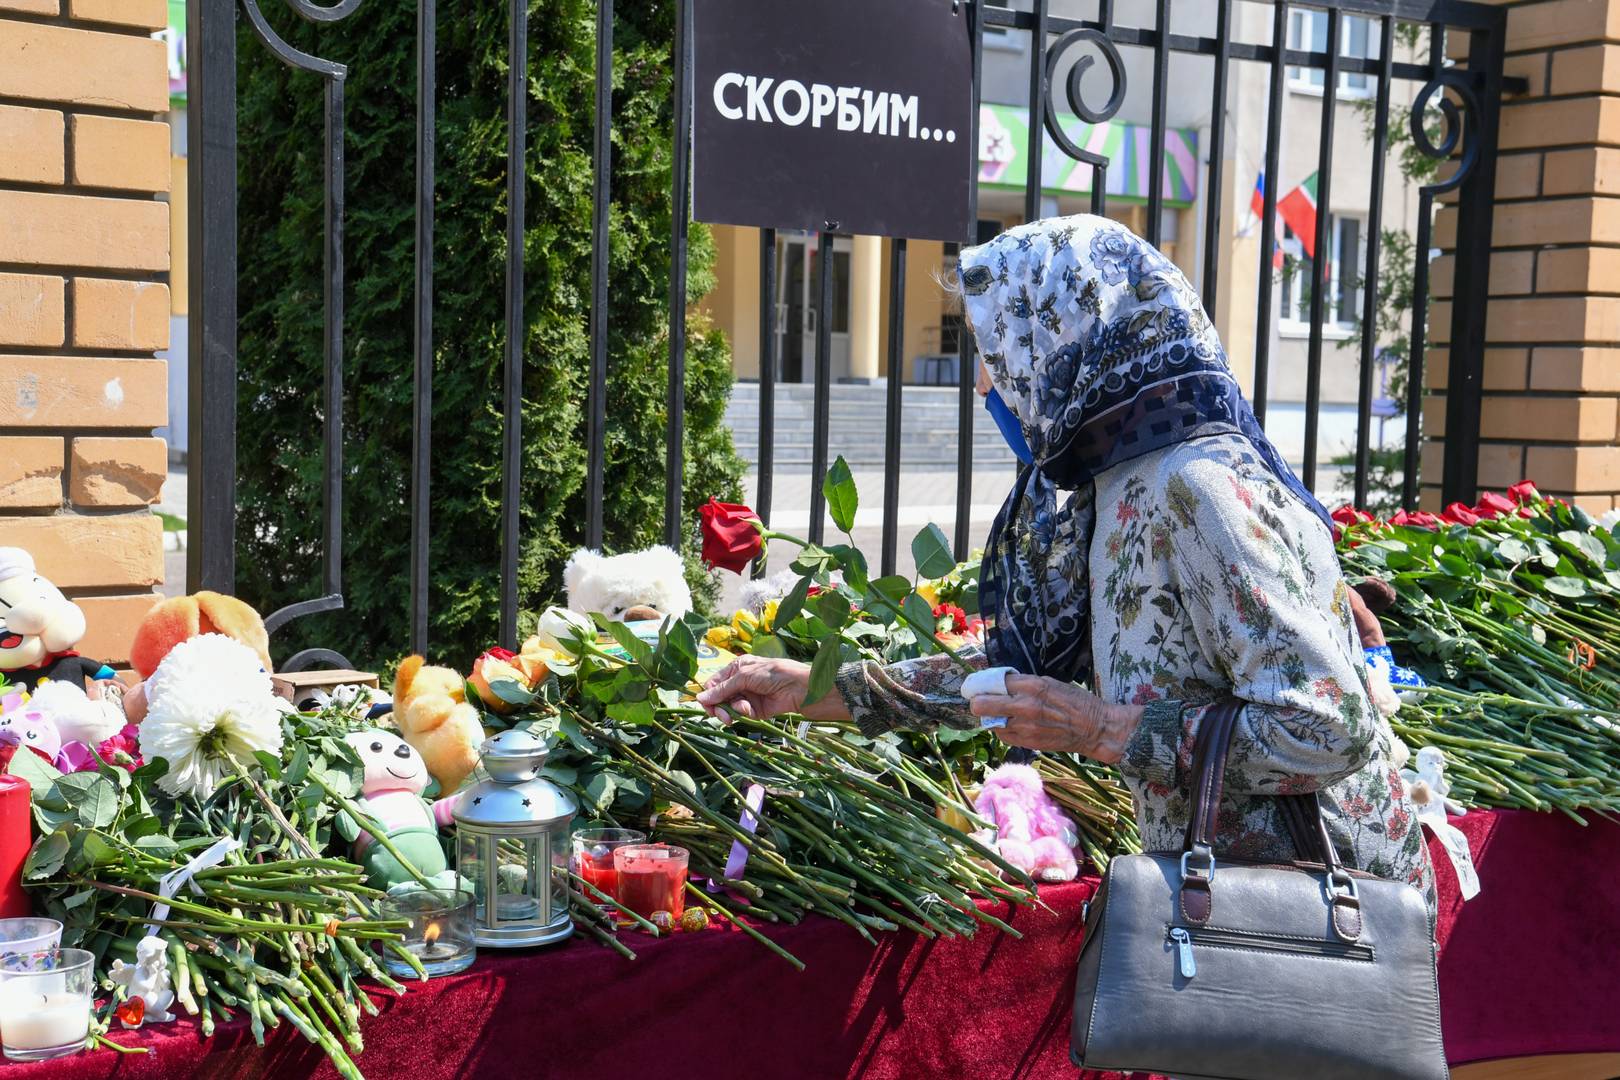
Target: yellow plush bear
{"type": "Point", "coordinates": [431, 710]}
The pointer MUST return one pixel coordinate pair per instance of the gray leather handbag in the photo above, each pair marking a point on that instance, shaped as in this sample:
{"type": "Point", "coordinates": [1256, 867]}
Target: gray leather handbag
{"type": "Point", "coordinates": [1255, 972]}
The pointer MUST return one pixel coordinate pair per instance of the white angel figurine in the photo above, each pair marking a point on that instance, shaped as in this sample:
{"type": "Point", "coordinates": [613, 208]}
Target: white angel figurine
{"type": "Point", "coordinates": [1427, 787]}
{"type": "Point", "coordinates": [147, 979]}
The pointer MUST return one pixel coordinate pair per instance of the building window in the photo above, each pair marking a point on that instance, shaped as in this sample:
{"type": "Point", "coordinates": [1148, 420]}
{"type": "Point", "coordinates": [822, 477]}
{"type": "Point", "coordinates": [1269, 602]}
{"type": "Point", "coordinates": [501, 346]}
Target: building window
{"type": "Point", "coordinates": [1346, 260]}
{"type": "Point", "coordinates": [1307, 32]}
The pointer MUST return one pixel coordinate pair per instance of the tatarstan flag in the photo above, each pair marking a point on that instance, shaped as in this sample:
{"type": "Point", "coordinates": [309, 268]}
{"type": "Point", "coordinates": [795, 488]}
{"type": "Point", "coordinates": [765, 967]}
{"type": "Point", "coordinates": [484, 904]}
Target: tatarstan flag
{"type": "Point", "coordinates": [1298, 208]}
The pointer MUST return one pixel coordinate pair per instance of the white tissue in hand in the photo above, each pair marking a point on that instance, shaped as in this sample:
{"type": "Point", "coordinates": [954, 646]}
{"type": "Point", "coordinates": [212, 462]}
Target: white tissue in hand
{"type": "Point", "coordinates": [989, 681]}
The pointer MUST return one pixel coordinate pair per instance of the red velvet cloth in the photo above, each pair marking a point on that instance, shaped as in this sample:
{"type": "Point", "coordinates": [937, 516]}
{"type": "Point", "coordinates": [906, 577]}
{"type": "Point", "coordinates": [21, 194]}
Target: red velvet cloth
{"type": "Point", "coordinates": [1522, 971]}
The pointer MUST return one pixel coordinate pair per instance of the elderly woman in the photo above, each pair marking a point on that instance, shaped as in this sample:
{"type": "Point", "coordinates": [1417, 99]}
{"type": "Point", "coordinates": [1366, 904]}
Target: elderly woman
{"type": "Point", "coordinates": [1156, 548]}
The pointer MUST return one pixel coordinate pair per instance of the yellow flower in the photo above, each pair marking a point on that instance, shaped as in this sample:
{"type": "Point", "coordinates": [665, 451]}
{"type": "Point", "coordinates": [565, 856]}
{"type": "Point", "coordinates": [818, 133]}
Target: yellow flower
{"type": "Point", "coordinates": [929, 591]}
{"type": "Point", "coordinates": [720, 637]}
{"type": "Point", "coordinates": [768, 619]}
{"type": "Point", "coordinates": [744, 625]}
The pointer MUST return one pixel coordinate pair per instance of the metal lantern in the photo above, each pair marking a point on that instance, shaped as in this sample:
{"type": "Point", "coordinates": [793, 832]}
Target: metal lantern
{"type": "Point", "coordinates": [511, 832]}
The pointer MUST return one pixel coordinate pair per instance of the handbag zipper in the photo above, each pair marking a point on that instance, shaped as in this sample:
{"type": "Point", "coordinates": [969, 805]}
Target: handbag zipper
{"type": "Point", "coordinates": [1183, 938]}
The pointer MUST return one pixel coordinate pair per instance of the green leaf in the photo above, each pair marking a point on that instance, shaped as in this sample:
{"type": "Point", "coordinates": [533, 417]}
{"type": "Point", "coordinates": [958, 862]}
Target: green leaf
{"type": "Point", "coordinates": [1514, 551]}
{"type": "Point", "coordinates": [560, 774]}
{"type": "Point", "coordinates": [767, 645]}
{"type": "Point", "coordinates": [568, 728]}
{"type": "Point", "coordinates": [853, 564]}
{"type": "Point", "coordinates": [298, 767]}
{"type": "Point", "coordinates": [824, 668]}
{"type": "Point", "coordinates": [684, 779]}
{"type": "Point", "coordinates": [683, 643]}
{"type": "Point", "coordinates": [99, 806]}
{"type": "Point", "coordinates": [812, 559]}
{"type": "Point", "coordinates": [638, 650]}
{"type": "Point", "coordinates": [1566, 586]}
{"type": "Point", "coordinates": [599, 791]}
{"type": "Point", "coordinates": [40, 774]}
{"type": "Point", "coordinates": [839, 488]}
{"type": "Point", "coordinates": [270, 763]}
{"type": "Point", "coordinates": [932, 552]}
{"type": "Point", "coordinates": [346, 827]}
{"type": "Point", "coordinates": [50, 820]}
{"type": "Point", "coordinates": [47, 856]}
{"type": "Point", "coordinates": [159, 845]}
{"type": "Point", "coordinates": [833, 608]}
{"type": "Point", "coordinates": [96, 850]}
{"type": "Point", "coordinates": [792, 603]}
{"type": "Point", "coordinates": [1588, 544]}
{"type": "Point", "coordinates": [921, 614]}
{"type": "Point", "coordinates": [511, 691]}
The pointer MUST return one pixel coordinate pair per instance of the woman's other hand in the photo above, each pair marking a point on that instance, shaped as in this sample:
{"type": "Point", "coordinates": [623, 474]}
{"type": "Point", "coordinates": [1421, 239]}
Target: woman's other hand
{"type": "Point", "coordinates": [762, 687]}
{"type": "Point", "coordinates": [1045, 714]}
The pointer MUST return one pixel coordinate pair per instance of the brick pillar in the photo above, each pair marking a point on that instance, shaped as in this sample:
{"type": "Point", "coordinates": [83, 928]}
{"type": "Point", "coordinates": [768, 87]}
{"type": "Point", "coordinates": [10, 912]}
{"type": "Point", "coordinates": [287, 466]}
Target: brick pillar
{"type": "Point", "coordinates": [1551, 408]}
{"type": "Point", "coordinates": [84, 260]}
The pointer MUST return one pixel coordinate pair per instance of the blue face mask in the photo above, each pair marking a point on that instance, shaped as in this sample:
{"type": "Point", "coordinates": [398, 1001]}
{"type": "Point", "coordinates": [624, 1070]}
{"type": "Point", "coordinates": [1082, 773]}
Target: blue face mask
{"type": "Point", "coordinates": [1011, 429]}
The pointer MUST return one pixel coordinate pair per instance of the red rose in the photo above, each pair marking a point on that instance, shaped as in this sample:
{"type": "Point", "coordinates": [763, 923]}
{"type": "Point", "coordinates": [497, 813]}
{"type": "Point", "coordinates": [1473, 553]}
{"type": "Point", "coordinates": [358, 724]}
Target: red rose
{"type": "Point", "coordinates": [1458, 514]}
{"type": "Point", "coordinates": [1524, 491]}
{"type": "Point", "coordinates": [1492, 505]}
{"type": "Point", "coordinates": [1349, 515]}
{"type": "Point", "coordinates": [731, 539]}
{"type": "Point", "coordinates": [1420, 520]}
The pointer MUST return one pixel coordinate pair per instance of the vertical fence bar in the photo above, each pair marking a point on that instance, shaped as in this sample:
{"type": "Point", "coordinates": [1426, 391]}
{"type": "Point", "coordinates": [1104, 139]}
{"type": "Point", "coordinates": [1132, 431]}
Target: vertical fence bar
{"type": "Point", "coordinates": [1420, 308]}
{"type": "Point", "coordinates": [1161, 67]}
{"type": "Point", "coordinates": [1036, 150]}
{"type": "Point", "coordinates": [1217, 153]}
{"type": "Point", "coordinates": [823, 401]}
{"type": "Point", "coordinates": [968, 356]}
{"type": "Point", "coordinates": [1369, 277]}
{"type": "Point", "coordinates": [1464, 401]}
{"type": "Point", "coordinates": [680, 211]}
{"type": "Point", "coordinates": [422, 377]}
{"type": "Point", "coordinates": [767, 375]}
{"type": "Point", "coordinates": [1324, 252]}
{"type": "Point", "coordinates": [601, 207]}
{"type": "Point", "coordinates": [211, 173]}
{"type": "Point", "coordinates": [895, 387]}
{"type": "Point", "coordinates": [332, 426]}
{"type": "Point", "coordinates": [512, 381]}
{"type": "Point", "coordinates": [1268, 216]}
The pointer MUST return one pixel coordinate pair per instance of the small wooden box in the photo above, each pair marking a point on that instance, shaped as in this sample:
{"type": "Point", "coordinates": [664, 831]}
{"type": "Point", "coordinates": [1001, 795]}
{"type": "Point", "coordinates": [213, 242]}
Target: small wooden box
{"type": "Point", "coordinates": [296, 686]}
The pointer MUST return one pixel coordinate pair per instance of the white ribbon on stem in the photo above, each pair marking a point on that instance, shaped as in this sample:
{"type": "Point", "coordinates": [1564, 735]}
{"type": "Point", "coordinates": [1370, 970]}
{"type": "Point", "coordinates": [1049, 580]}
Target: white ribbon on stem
{"type": "Point", "coordinates": [174, 880]}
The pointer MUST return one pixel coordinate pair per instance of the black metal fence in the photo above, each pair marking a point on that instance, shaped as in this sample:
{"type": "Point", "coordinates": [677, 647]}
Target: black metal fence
{"type": "Point", "coordinates": [1464, 96]}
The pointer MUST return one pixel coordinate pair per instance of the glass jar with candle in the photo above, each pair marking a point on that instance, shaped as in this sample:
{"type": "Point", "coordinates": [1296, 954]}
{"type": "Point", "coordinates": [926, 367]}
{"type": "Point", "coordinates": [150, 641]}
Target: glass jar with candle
{"type": "Point", "coordinates": [21, 940]}
{"type": "Point", "coordinates": [440, 934]}
{"type": "Point", "coordinates": [45, 1007]}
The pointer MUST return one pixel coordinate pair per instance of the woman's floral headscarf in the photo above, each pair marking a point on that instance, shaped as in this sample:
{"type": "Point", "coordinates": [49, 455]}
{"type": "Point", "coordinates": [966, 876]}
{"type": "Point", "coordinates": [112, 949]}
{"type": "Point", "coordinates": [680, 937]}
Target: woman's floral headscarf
{"type": "Point", "coordinates": [1102, 348]}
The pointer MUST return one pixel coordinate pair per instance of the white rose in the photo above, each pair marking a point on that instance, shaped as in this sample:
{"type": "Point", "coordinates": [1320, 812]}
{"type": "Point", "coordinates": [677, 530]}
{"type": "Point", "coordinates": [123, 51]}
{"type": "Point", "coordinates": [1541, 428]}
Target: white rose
{"type": "Point", "coordinates": [562, 630]}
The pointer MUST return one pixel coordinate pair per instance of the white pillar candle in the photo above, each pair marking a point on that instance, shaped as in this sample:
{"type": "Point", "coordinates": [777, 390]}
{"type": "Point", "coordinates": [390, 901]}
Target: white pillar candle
{"type": "Point", "coordinates": [30, 1021]}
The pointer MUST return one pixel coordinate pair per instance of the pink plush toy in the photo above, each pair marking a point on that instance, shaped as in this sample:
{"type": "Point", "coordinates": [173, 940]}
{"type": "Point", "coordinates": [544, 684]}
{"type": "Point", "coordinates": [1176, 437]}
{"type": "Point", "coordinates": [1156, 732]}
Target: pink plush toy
{"type": "Point", "coordinates": [1032, 833]}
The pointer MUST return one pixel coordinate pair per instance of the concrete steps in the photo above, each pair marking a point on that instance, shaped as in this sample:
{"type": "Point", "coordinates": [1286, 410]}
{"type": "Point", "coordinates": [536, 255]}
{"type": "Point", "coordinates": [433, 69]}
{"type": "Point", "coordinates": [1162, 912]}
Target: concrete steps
{"type": "Point", "coordinates": [857, 416]}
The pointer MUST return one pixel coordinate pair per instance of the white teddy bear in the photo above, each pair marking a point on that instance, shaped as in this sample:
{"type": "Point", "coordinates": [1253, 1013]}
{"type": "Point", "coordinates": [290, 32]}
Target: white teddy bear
{"type": "Point", "coordinates": [648, 584]}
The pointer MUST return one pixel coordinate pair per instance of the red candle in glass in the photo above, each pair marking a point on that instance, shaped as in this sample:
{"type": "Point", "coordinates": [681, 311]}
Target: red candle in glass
{"type": "Point", "coordinates": [16, 836]}
{"type": "Point", "coordinates": [600, 873]}
{"type": "Point", "coordinates": [652, 877]}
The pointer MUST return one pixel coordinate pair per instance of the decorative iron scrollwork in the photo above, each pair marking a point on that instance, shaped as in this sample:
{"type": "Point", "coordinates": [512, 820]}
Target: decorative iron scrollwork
{"type": "Point", "coordinates": [317, 13]}
{"type": "Point", "coordinates": [1460, 125]}
{"type": "Point", "coordinates": [1077, 102]}
{"type": "Point", "coordinates": [286, 53]}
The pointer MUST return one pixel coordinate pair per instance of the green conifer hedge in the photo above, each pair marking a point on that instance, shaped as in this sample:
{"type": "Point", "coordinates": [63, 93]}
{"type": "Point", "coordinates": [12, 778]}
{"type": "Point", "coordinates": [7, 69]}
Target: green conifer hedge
{"type": "Point", "coordinates": [280, 303]}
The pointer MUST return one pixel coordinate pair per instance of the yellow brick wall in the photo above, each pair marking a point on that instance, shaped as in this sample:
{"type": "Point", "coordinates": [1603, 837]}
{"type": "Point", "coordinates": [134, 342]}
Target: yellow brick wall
{"type": "Point", "coordinates": [84, 300]}
{"type": "Point", "coordinates": [1551, 408]}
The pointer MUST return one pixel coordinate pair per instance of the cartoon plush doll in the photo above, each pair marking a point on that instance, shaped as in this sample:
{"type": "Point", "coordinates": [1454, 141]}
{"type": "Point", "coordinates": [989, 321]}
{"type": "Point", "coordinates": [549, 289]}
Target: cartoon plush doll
{"type": "Point", "coordinates": [637, 585]}
{"type": "Point", "coordinates": [39, 627]}
{"type": "Point", "coordinates": [391, 793]}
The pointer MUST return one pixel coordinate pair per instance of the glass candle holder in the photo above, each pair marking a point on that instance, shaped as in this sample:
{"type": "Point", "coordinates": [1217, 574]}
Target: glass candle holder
{"type": "Point", "coordinates": [652, 877]}
{"type": "Point", "coordinates": [591, 857]}
{"type": "Point", "coordinates": [440, 934]}
{"type": "Point", "coordinates": [45, 1008]}
{"type": "Point", "coordinates": [21, 940]}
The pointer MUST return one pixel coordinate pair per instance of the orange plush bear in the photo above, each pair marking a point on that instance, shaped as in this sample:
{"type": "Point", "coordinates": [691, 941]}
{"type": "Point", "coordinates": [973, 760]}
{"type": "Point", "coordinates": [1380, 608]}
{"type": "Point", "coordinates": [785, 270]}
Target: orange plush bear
{"type": "Point", "coordinates": [181, 618]}
{"type": "Point", "coordinates": [431, 710]}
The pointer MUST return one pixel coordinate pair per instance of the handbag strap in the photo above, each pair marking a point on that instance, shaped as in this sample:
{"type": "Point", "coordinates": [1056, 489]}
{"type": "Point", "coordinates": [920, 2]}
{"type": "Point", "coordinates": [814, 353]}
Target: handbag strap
{"type": "Point", "coordinates": [1301, 815]}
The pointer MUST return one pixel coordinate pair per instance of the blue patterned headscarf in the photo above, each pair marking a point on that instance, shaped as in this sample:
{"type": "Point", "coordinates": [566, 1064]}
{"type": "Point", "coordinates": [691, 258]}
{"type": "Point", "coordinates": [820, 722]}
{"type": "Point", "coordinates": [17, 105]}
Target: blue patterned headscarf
{"type": "Point", "coordinates": [1102, 348]}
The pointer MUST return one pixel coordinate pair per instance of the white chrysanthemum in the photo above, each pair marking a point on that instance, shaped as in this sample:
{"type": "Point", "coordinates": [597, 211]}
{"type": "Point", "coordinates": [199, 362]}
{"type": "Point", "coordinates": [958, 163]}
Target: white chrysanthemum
{"type": "Point", "coordinates": [1610, 518]}
{"type": "Point", "coordinates": [208, 701]}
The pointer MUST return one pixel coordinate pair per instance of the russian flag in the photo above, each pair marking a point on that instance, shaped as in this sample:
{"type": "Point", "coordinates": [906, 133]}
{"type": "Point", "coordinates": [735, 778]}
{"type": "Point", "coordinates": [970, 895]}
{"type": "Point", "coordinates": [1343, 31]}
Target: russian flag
{"type": "Point", "coordinates": [1257, 205]}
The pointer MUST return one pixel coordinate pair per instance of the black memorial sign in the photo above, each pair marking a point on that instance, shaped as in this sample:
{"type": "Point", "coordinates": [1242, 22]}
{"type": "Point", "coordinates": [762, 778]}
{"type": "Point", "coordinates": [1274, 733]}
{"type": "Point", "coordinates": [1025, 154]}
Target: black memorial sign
{"type": "Point", "coordinates": [846, 115]}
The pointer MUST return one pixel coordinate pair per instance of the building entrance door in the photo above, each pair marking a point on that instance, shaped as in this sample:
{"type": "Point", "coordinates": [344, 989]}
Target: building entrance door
{"type": "Point", "coordinates": [798, 304]}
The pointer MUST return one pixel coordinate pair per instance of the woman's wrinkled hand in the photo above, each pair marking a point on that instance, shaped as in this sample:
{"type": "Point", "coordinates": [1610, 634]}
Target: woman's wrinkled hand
{"type": "Point", "coordinates": [762, 687]}
{"type": "Point", "coordinates": [1046, 714]}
